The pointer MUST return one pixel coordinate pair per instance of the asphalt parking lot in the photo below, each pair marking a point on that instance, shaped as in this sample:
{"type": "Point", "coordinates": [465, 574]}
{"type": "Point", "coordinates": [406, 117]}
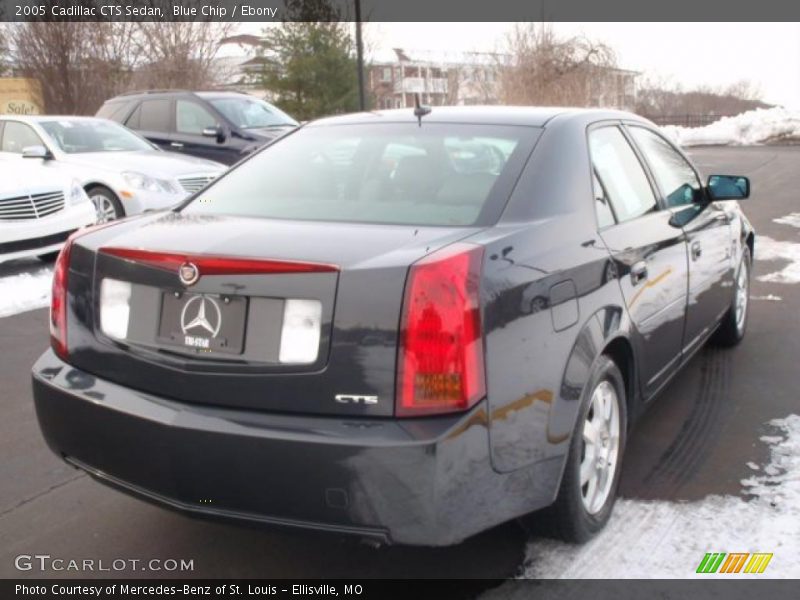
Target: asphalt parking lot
{"type": "Point", "coordinates": [696, 440]}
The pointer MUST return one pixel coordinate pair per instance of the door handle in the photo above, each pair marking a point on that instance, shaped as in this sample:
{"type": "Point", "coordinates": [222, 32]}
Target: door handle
{"type": "Point", "coordinates": [176, 145]}
{"type": "Point", "coordinates": [697, 250]}
{"type": "Point", "coordinates": [638, 272]}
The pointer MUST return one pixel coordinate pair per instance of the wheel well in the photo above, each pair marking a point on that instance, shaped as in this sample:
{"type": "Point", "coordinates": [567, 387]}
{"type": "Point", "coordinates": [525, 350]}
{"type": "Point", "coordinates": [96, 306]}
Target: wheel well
{"type": "Point", "coordinates": [751, 242]}
{"type": "Point", "coordinates": [619, 350]}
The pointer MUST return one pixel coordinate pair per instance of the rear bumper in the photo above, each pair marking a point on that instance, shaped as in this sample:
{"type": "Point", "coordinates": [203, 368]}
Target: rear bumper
{"type": "Point", "coordinates": [421, 481]}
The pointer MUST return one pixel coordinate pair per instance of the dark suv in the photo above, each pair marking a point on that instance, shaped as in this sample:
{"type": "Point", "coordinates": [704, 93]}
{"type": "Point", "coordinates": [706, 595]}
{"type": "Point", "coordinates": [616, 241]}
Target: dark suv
{"type": "Point", "coordinates": [220, 126]}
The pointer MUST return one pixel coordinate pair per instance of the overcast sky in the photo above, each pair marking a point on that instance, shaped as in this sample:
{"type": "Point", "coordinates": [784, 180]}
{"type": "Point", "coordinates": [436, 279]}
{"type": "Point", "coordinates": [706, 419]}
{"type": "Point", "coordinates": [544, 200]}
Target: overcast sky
{"type": "Point", "coordinates": [717, 54]}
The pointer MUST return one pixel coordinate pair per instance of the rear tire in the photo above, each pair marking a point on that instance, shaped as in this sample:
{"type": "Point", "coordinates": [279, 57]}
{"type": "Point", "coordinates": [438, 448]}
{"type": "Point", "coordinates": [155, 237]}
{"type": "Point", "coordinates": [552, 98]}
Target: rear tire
{"type": "Point", "coordinates": [734, 324]}
{"type": "Point", "coordinates": [106, 204]}
{"type": "Point", "coordinates": [591, 476]}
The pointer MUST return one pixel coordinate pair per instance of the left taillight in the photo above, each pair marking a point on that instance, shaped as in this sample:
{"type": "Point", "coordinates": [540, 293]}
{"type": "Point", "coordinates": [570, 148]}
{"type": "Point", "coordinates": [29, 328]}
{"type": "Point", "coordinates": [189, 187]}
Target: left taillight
{"type": "Point", "coordinates": [58, 296]}
{"type": "Point", "coordinates": [58, 300]}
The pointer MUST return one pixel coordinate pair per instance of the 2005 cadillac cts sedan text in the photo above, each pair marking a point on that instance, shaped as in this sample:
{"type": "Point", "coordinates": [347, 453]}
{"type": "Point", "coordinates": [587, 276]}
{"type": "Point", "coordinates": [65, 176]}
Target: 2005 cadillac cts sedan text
{"type": "Point", "coordinates": [401, 326]}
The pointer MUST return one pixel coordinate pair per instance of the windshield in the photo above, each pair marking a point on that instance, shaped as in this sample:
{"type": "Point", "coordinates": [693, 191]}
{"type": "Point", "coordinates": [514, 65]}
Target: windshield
{"type": "Point", "coordinates": [251, 113]}
{"type": "Point", "coordinates": [75, 137]}
{"type": "Point", "coordinates": [393, 173]}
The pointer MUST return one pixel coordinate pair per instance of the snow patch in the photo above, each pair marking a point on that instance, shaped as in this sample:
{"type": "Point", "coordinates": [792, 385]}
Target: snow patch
{"type": "Point", "coordinates": [792, 219]}
{"type": "Point", "coordinates": [25, 291]}
{"type": "Point", "coordinates": [769, 249]}
{"type": "Point", "coordinates": [658, 539]}
{"type": "Point", "coordinates": [752, 127]}
{"type": "Point", "coordinates": [767, 297]}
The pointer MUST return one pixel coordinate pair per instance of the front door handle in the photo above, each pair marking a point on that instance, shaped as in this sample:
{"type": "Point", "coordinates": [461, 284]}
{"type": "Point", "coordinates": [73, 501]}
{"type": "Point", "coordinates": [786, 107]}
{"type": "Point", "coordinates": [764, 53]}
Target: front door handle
{"type": "Point", "coordinates": [697, 250]}
{"type": "Point", "coordinates": [176, 145]}
{"type": "Point", "coordinates": [638, 272]}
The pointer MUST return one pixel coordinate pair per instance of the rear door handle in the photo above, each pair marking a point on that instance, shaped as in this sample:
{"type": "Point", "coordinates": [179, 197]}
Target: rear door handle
{"type": "Point", "coordinates": [638, 272]}
{"type": "Point", "coordinates": [697, 250]}
{"type": "Point", "coordinates": [176, 145]}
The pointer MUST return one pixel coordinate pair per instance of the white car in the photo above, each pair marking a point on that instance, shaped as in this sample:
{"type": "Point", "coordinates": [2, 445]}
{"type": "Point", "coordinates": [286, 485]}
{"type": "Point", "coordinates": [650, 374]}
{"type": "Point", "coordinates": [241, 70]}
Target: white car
{"type": "Point", "coordinates": [39, 209]}
{"type": "Point", "coordinates": [122, 173]}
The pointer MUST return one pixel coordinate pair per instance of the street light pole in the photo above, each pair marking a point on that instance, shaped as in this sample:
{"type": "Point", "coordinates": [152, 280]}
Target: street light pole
{"type": "Point", "coordinates": [362, 101]}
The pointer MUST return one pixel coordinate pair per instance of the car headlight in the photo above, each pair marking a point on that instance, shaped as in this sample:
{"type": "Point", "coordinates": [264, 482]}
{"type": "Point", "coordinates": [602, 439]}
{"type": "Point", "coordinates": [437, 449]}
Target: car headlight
{"type": "Point", "coordinates": [140, 181]}
{"type": "Point", "coordinates": [76, 193]}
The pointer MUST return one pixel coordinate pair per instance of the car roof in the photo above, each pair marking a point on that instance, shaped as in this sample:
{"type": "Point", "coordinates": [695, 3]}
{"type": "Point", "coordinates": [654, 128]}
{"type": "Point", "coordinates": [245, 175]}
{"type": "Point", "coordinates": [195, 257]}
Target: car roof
{"type": "Point", "coordinates": [198, 93]}
{"type": "Point", "coordinates": [532, 116]}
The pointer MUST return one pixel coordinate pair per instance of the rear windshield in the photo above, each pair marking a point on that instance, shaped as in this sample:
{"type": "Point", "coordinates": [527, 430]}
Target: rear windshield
{"type": "Point", "coordinates": [394, 173]}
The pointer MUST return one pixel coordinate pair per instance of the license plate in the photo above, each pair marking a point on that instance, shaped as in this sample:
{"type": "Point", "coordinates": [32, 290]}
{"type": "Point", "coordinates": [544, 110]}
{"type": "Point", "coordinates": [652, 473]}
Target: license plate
{"type": "Point", "coordinates": [203, 322]}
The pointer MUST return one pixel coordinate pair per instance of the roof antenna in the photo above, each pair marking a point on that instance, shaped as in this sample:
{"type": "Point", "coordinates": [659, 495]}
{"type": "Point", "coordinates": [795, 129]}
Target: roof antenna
{"type": "Point", "coordinates": [420, 110]}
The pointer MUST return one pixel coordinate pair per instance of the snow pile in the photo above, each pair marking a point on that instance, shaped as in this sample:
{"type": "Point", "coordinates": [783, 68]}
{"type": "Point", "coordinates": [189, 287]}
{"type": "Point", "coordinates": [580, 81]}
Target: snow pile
{"type": "Point", "coordinates": [753, 127]}
{"type": "Point", "coordinates": [769, 249]}
{"type": "Point", "coordinates": [669, 539]}
{"type": "Point", "coordinates": [25, 291]}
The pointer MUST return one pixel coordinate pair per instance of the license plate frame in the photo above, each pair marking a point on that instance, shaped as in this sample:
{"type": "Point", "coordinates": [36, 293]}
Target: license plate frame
{"type": "Point", "coordinates": [203, 323]}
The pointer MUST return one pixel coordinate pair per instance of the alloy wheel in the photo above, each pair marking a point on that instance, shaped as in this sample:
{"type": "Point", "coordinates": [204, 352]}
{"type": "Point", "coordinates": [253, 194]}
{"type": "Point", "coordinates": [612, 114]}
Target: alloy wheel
{"type": "Point", "coordinates": [600, 449]}
{"type": "Point", "coordinates": [742, 296]}
{"type": "Point", "coordinates": [104, 208]}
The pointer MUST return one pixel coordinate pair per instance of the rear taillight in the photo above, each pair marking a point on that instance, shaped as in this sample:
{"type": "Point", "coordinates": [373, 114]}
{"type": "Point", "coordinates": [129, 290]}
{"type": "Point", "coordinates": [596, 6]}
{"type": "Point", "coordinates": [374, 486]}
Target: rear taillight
{"type": "Point", "coordinates": [58, 301]}
{"type": "Point", "coordinates": [58, 296]}
{"type": "Point", "coordinates": [440, 365]}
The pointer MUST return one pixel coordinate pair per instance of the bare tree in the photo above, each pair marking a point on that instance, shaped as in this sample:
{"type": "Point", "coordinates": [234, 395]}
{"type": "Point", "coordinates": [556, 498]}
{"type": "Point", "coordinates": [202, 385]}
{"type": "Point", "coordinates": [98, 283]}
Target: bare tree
{"type": "Point", "coordinates": [77, 64]}
{"type": "Point", "coordinates": [179, 54]}
{"type": "Point", "coordinates": [668, 102]}
{"type": "Point", "coordinates": [546, 69]}
{"type": "Point", "coordinates": [80, 65]}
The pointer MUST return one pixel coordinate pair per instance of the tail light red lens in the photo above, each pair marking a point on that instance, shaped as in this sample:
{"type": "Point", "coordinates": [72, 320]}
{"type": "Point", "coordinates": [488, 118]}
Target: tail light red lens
{"type": "Point", "coordinates": [58, 301]}
{"type": "Point", "coordinates": [58, 296]}
{"type": "Point", "coordinates": [440, 365]}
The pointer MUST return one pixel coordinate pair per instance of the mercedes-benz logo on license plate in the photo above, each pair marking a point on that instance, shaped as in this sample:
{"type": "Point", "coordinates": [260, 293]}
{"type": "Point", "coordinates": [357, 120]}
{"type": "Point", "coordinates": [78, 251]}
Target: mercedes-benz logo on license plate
{"type": "Point", "coordinates": [201, 312]}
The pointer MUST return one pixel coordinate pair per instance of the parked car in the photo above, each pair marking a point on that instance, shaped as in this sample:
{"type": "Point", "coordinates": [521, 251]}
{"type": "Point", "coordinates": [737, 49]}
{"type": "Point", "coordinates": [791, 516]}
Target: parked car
{"type": "Point", "coordinates": [122, 173]}
{"type": "Point", "coordinates": [410, 350]}
{"type": "Point", "coordinates": [220, 126]}
{"type": "Point", "coordinates": [39, 210]}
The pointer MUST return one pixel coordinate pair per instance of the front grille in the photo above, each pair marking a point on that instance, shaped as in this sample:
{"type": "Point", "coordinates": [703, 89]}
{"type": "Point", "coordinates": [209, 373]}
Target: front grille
{"type": "Point", "coordinates": [35, 206]}
{"type": "Point", "coordinates": [195, 184]}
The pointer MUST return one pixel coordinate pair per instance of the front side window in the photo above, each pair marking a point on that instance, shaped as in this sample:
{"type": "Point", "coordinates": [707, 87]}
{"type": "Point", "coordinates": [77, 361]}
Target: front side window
{"type": "Point", "coordinates": [621, 174]}
{"type": "Point", "coordinates": [18, 136]}
{"type": "Point", "coordinates": [675, 176]}
{"type": "Point", "coordinates": [251, 113]}
{"type": "Point", "coordinates": [191, 118]}
{"type": "Point", "coordinates": [436, 174]}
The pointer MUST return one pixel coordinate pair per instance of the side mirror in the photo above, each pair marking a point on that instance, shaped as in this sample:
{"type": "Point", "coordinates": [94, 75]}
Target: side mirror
{"type": "Point", "coordinates": [36, 152]}
{"type": "Point", "coordinates": [215, 132]}
{"type": "Point", "coordinates": [728, 187]}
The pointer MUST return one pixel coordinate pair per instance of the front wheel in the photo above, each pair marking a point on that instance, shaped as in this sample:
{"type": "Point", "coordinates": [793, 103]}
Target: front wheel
{"type": "Point", "coordinates": [106, 204]}
{"type": "Point", "coordinates": [734, 324]}
{"type": "Point", "coordinates": [591, 476]}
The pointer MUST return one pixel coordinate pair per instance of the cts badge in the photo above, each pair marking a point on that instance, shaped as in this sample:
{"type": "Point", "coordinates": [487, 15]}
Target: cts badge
{"type": "Point", "coordinates": [355, 399]}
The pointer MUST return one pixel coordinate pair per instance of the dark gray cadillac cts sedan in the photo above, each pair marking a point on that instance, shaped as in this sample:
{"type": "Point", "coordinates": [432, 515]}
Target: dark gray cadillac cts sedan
{"type": "Point", "coordinates": [408, 328]}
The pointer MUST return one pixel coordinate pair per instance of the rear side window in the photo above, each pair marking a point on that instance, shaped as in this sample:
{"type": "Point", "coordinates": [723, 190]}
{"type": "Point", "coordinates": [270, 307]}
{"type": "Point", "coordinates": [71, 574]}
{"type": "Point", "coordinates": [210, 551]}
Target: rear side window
{"type": "Point", "coordinates": [620, 174]}
{"type": "Point", "coordinates": [674, 175]}
{"type": "Point", "coordinates": [436, 174]}
{"type": "Point", "coordinates": [153, 116]}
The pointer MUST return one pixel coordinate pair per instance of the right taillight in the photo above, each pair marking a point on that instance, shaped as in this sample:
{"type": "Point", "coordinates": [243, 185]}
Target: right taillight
{"type": "Point", "coordinates": [440, 364]}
